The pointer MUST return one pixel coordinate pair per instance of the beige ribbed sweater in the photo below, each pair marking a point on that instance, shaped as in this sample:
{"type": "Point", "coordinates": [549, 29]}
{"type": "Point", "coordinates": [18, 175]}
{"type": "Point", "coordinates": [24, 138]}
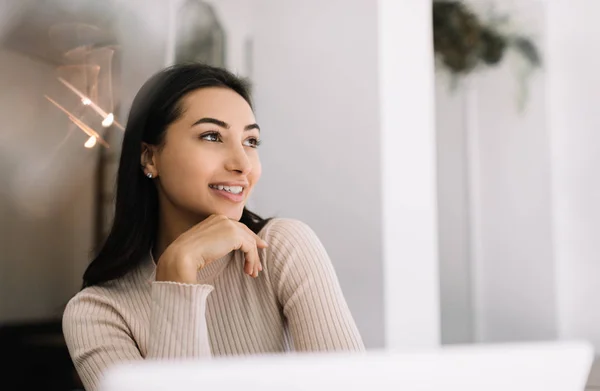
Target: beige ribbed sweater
{"type": "Point", "coordinates": [295, 304]}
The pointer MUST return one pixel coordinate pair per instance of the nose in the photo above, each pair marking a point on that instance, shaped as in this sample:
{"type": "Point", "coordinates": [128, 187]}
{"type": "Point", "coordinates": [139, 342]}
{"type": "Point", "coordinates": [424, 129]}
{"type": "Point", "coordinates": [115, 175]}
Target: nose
{"type": "Point", "coordinates": [238, 161]}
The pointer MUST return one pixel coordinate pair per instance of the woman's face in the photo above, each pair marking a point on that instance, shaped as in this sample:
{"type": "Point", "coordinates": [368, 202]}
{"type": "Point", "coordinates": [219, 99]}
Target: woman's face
{"type": "Point", "coordinates": [209, 162]}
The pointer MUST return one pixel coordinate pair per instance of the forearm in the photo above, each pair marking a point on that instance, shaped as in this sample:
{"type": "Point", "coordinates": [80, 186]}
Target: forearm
{"type": "Point", "coordinates": [178, 321]}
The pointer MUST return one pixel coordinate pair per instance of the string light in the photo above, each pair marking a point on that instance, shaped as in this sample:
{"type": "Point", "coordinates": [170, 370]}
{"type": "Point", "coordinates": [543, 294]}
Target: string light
{"type": "Point", "coordinates": [91, 142]}
{"type": "Point", "coordinates": [86, 129]}
{"type": "Point", "coordinates": [94, 106]}
{"type": "Point", "coordinates": [108, 120]}
{"type": "Point", "coordinates": [85, 55]}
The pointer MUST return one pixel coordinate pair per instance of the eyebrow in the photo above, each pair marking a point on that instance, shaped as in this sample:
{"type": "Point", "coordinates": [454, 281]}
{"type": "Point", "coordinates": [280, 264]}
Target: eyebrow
{"type": "Point", "coordinates": [222, 124]}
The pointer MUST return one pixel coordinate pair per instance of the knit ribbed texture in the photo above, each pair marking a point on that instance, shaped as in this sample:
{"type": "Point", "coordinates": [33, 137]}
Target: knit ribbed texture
{"type": "Point", "coordinates": [296, 303]}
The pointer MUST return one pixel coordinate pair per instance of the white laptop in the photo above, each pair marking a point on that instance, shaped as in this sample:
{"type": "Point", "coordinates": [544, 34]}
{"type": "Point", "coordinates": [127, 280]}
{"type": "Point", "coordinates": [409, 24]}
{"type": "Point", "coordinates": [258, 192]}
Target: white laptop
{"type": "Point", "coordinates": [559, 366]}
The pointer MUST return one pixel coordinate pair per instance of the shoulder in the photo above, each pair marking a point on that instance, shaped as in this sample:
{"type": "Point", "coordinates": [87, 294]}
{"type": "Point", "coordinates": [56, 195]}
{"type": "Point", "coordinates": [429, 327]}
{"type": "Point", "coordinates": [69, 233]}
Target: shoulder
{"type": "Point", "coordinates": [282, 232]}
{"type": "Point", "coordinates": [88, 301]}
{"type": "Point", "coordinates": [85, 311]}
{"type": "Point", "coordinates": [292, 244]}
{"type": "Point", "coordinates": [96, 301]}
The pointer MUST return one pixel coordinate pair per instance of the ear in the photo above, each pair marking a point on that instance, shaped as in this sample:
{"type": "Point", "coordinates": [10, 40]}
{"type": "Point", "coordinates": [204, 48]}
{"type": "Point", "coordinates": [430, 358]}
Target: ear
{"type": "Point", "coordinates": [148, 160]}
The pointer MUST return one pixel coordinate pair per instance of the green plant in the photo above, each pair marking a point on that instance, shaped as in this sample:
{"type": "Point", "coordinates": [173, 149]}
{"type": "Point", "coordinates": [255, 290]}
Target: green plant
{"type": "Point", "coordinates": [463, 42]}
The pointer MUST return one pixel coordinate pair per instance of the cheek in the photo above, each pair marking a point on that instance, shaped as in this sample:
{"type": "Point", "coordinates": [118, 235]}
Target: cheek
{"type": "Point", "coordinates": [256, 172]}
{"type": "Point", "coordinates": [184, 172]}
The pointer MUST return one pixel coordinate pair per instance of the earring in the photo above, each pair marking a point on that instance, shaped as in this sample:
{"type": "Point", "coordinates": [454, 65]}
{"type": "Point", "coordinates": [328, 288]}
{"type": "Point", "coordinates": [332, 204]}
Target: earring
{"type": "Point", "coordinates": [149, 175]}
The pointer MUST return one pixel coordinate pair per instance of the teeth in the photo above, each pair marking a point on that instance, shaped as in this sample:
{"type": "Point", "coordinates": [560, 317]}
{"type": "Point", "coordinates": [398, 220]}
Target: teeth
{"type": "Point", "coordinates": [235, 189]}
{"type": "Point", "coordinates": [230, 189]}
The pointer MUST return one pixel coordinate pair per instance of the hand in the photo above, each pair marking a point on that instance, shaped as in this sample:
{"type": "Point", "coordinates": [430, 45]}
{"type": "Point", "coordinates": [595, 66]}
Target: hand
{"type": "Point", "coordinates": [206, 242]}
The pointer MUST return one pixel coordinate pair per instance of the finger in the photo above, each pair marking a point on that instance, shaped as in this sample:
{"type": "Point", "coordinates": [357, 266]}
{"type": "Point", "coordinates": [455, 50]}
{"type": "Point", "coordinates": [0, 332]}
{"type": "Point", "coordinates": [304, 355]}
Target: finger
{"type": "Point", "coordinates": [252, 237]}
{"type": "Point", "coordinates": [260, 243]}
{"type": "Point", "coordinates": [247, 266]}
{"type": "Point", "coordinates": [256, 264]}
{"type": "Point", "coordinates": [251, 255]}
{"type": "Point", "coordinates": [245, 248]}
{"type": "Point", "coordinates": [247, 263]}
{"type": "Point", "coordinates": [241, 243]}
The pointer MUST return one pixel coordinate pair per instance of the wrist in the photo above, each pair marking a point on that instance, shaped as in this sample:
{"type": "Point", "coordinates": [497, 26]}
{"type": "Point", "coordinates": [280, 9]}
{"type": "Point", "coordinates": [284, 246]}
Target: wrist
{"type": "Point", "coordinates": [174, 267]}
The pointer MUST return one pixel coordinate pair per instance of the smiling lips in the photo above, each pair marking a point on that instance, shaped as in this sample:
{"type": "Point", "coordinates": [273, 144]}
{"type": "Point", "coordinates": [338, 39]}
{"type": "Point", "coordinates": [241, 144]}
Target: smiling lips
{"type": "Point", "coordinates": [234, 193]}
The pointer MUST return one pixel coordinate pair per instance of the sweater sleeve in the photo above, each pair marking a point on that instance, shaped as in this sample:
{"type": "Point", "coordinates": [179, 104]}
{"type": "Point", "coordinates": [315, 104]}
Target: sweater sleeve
{"type": "Point", "coordinates": [307, 288]}
{"type": "Point", "coordinates": [98, 337]}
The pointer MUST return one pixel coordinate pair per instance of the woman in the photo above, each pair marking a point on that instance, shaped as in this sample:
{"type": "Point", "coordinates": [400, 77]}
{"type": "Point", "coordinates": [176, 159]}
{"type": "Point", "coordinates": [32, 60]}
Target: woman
{"type": "Point", "coordinates": [187, 271]}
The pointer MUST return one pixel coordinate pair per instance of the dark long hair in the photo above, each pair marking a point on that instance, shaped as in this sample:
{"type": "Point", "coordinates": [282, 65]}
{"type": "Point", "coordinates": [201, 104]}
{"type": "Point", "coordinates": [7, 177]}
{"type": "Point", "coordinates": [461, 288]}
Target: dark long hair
{"type": "Point", "coordinates": [156, 105]}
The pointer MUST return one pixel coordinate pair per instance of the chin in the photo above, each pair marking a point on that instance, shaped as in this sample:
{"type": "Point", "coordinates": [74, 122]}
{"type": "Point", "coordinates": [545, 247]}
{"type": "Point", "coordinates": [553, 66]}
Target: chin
{"type": "Point", "coordinates": [235, 214]}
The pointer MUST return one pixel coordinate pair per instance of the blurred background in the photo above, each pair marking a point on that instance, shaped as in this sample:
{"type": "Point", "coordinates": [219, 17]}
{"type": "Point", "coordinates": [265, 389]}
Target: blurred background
{"type": "Point", "coordinates": [444, 152]}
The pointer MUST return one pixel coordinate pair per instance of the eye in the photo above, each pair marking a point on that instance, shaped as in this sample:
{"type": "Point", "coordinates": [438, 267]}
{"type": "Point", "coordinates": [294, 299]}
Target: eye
{"type": "Point", "coordinates": [252, 142]}
{"type": "Point", "coordinates": [212, 137]}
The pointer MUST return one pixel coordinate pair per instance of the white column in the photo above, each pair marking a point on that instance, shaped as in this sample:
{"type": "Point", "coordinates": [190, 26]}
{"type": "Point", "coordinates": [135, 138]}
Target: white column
{"type": "Point", "coordinates": [574, 119]}
{"type": "Point", "coordinates": [409, 203]}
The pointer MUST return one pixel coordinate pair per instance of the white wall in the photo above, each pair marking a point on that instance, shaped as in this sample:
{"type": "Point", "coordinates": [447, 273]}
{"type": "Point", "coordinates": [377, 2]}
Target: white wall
{"type": "Point", "coordinates": [316, 100]}
{"type": "Point", "coordinates": [236, 18]}
{"type": "Point", "coordinates": [456, 305]}
{"type": "Point", "coordinates": [496, 249]}
{"type": "Point", "coordinates": [574, 93]}
{"type": "Point", "coordinates": [143, 39]}
{"type": "Point", "coordinates": [535, 271]}
{"type": "Point", "coordinates": [514, 272]}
